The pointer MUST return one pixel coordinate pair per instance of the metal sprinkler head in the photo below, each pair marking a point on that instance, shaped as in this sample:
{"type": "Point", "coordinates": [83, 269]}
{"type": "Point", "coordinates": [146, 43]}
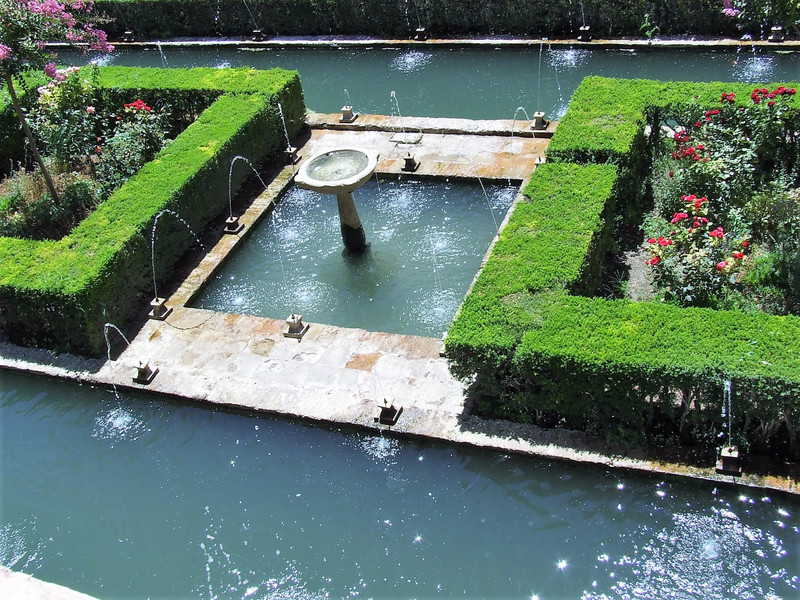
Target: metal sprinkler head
{"type": "Point", "coordinates": [411, 164]}
{"type": "Point", "coordinates": [388, 413]}
{"type": "Point", "coordinates": [776, 34]}
{"type": "Point", "coordinates": [729, 462]}
{"type": "Point", "coordinates": [290, 155]}
{"type": "Point", "coordinates": [159, 309]}
{"type": "Point", "coordinates": [348, 116]}
{"type": "Point", "coordinates": [539, 122]}
{"type": "Point", "coordinates": [144, 373]}
{"type": "Point", "coordinates": [232, 225]}
{"type": "Point", "coordinates": [296, 328]}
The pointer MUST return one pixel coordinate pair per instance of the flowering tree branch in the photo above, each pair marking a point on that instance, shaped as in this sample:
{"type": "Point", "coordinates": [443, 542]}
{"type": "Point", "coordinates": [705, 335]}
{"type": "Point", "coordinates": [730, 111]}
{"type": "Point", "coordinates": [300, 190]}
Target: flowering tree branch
{"type": "Point", "coordinates": [26, 26]}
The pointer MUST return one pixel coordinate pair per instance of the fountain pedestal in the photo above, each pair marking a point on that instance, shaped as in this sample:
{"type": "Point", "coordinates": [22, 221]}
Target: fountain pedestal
{"type": "Point", "coordinates": [353, 234]}
{"type": "Point", "coordinates": [341, 172]}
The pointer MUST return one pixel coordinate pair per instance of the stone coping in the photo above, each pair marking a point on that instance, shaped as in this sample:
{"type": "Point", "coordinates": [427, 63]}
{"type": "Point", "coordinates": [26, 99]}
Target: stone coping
{"type": "Point", "coordinates": [20, 586]}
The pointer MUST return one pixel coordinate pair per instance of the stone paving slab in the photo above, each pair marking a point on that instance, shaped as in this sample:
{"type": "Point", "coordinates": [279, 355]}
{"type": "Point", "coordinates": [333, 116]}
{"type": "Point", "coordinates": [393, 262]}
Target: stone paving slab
{"type": "Point", "coordinates": [19, 586]}
{"type": "Point", "coordinates": [487, 150]}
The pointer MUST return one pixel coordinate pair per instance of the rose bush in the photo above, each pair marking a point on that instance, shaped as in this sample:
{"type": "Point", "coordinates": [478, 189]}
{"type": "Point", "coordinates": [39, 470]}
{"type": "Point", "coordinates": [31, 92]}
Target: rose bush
{"type": "Point", "coordinates": [736, 160]}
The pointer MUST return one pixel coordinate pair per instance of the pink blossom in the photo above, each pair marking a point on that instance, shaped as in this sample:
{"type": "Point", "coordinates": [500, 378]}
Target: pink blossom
{"type": "Point", "coordinates": [90, 110]}
{"type": "Point", "coordinates": [5, 52]}
{"type": "Point", "coordinates": [678, 216]}
{"type": "Point", "coordinates": [50, 70]}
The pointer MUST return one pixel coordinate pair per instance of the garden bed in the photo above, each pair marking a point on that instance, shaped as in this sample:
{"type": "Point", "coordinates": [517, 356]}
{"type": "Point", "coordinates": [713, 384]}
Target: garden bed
{"type": "Point", "coordinates": [543, 341]}
{"type": "Point", "coordinates": [59, 293]}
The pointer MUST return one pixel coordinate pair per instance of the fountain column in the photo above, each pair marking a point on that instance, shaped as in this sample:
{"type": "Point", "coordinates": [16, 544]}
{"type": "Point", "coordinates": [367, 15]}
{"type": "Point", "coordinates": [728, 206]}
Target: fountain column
{"type": "Point", "coordinates": [353, 234]}
{"type": "Point", "coordinates": [341, 172]}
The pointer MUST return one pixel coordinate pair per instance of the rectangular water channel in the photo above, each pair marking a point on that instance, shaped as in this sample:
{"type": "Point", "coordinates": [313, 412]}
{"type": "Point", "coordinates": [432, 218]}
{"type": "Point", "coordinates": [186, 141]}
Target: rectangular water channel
{"type": "Point", "coordinates": [427, 240]}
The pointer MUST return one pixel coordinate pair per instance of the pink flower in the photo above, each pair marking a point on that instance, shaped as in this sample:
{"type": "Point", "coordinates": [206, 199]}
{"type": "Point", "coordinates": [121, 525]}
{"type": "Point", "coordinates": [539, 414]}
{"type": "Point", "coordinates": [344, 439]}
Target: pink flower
{"type": "Point", "coordinates": [717, 233]}
{"type": "Point", "coordinates": [50, 70]}
{"type": "Point", "coordinates": [90, 110]}
{"type": "Point", "coordinates": [5, 52]}
{"type": "Point", "coordinates": [679, 216]}
{"type": "Point", "coordinates": [722, 265]}
{"type": "Point", "coordinates": [653, 261]}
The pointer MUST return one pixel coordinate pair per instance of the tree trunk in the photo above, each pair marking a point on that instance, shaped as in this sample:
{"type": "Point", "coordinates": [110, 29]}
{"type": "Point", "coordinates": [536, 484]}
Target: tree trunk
{"type": "Point", "coordinates": [29, 135]}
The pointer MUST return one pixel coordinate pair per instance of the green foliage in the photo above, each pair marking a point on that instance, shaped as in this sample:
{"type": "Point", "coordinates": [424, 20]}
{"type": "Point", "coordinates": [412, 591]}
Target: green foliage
{"type": "Point", "coordinates": [159, 19]}
{"type": "Point", "coordinates": [697, 261]}
{"type": "Point", "coordinates": [634, 373]}
{"type": "Point", "coordinates": [136, 139]}
{"type": "Point", "coordinates": [65, 119]}
{"type": "Point", "coordinates": [552, 240]}
{"type": "Point", "coordinates": [28, 210]}
{"type": "Point", "coordinates": [59, 294]}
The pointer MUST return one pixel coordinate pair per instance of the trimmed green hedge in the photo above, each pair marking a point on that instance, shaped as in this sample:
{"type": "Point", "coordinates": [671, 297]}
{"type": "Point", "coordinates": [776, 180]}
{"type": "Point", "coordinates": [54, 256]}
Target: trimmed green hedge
{"type": "Point", "coordinates": [59, 294]}
{"type": "Point", "coordinates": [160, 19]}
{"type": "Point", "coordinates": [554, 239]}
{"type": "Point", "coordinates": [634, 372]}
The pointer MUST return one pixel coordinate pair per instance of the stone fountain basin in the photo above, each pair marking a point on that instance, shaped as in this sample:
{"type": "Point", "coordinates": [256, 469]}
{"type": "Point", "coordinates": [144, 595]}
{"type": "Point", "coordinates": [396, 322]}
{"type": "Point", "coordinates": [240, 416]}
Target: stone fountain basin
{"type": "Point", "coordinates": [337, 171]}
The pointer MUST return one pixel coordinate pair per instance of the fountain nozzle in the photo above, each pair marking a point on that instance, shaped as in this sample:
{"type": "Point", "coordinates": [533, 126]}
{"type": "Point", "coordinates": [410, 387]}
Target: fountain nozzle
{"type": "Point", "coordinates": [539, 122]}
{"type": "Point", "coordinates": [411, 164]}
{"type": "Point", "coordinates": [348, 116]}
{"type": "Point", "coordinates": [388, 413]}
{"type": "Point", "coordinates": [159, 311]}
{"type": "Point", "coordinates": [144, 373]}
{"type": "Point", "coordinates": [729, 462]}
{"type": "Point", "coordinates": [296, 328]}
{"type": "Point", "coordinates": [232, 225]}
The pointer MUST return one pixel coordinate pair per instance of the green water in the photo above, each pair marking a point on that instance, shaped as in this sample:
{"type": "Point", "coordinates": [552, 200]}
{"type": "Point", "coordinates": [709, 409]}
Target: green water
{"type": "Point", "coordinates": [141, 497]}
{"type": "Point", "coordinates": [426, 240]}
{"type": "Point", "coordinates": [469, 82]}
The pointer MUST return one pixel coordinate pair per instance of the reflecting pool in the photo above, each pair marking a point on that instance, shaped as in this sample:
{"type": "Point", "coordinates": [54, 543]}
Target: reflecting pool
{"type": "Point", "coordinates": [144, 497]}
{"type": "Point", "coordinates": [469, 82]}
{"type": "Point", "coordinates": [427, 240]}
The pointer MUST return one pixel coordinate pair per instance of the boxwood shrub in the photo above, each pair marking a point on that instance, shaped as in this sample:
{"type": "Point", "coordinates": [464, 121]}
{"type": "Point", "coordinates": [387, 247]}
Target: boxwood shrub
{"type": "Point", "coordinates": [58, 294]}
